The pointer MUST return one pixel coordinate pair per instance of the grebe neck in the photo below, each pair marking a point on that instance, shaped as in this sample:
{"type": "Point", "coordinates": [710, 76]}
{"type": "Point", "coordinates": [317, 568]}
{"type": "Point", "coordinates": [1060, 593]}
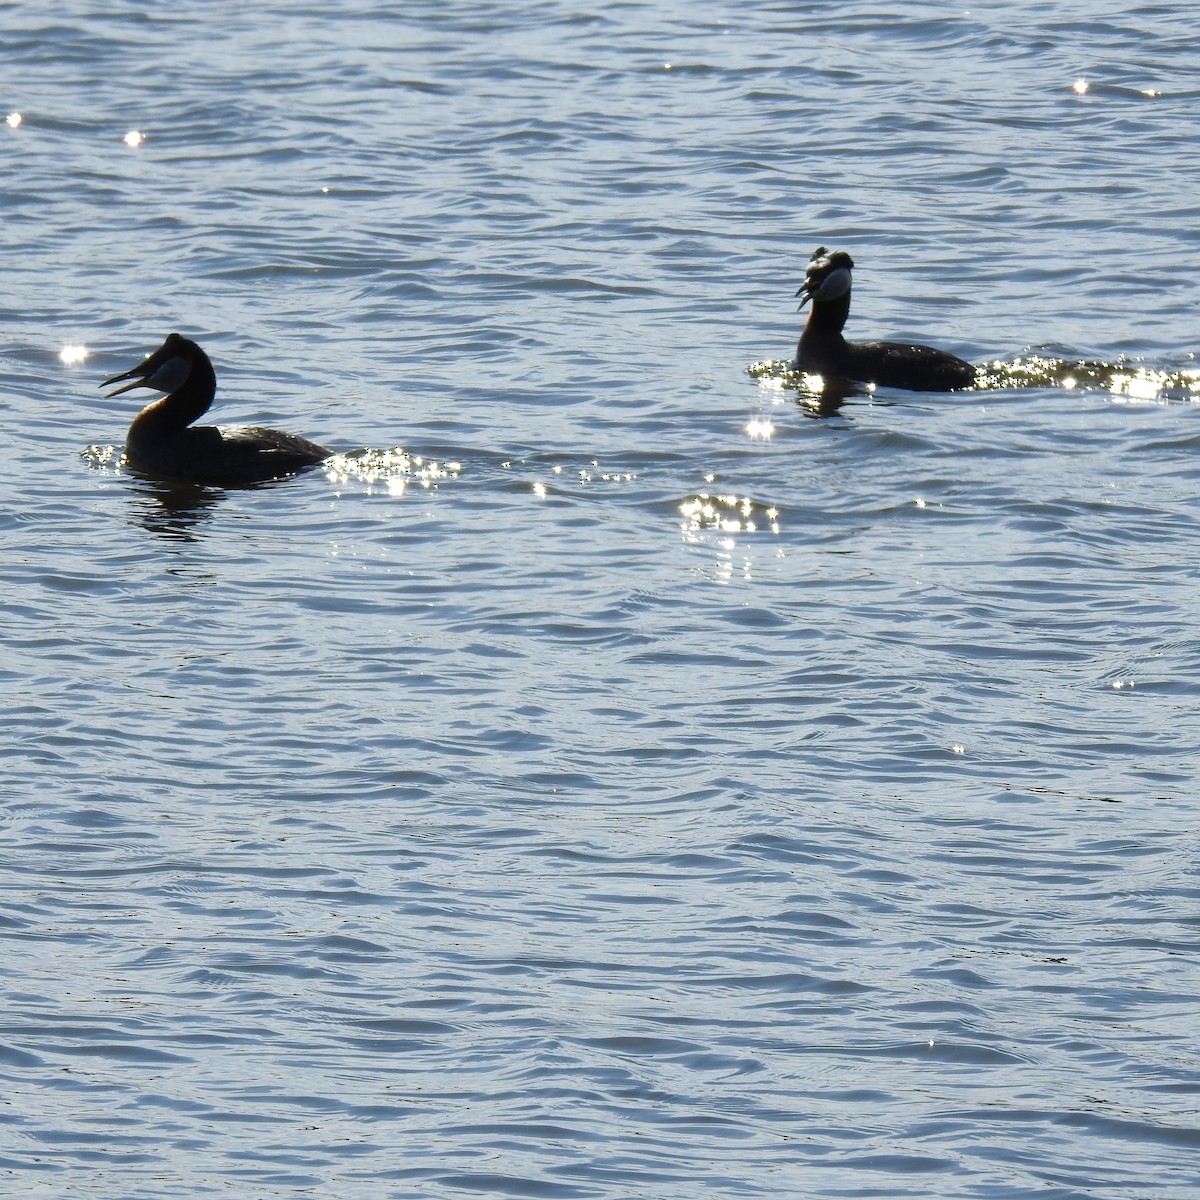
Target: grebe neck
{"type": "Point", "coordinates": [178, 409]}
{"type": "Point", "coordinates": [827, 318]}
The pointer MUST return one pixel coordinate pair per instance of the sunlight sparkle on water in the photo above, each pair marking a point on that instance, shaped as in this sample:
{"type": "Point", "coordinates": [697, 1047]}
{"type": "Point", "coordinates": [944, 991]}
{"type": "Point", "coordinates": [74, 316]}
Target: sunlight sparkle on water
{"type": "Point", "coordinates": [73, 355]}
{"type": "Point", "coordinates": [760, 428]}
{"type": "Point", "coordinates": [105, 457]}
{"type": "Point", "coordinates": [726, 514]}
{"type": "Point", "coordinates": [392, 470]}
{"type": "Point", "coordinates": [1080, 87]}
{"type": "Point", "coordinates": [1142, 384]}
{"type": "Point", "coordinates": [134, 138]}
{"type": "Point", "coordinates": [13, 120]}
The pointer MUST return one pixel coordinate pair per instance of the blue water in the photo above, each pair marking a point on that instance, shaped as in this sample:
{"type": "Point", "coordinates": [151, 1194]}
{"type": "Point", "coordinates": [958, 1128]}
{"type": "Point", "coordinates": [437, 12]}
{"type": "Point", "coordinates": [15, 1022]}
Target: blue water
{"type": "Point", "coordinates": [639, 787]}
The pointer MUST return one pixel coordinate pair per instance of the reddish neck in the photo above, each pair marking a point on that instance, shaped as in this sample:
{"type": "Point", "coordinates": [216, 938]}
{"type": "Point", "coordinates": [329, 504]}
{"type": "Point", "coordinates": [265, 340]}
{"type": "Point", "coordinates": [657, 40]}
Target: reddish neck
{"type": "Point", "coordinates": [828, 316]}
{"type": "Point", "coordinates": [822, 333]}
{"type": "Point", "coordinates": [168, 417]}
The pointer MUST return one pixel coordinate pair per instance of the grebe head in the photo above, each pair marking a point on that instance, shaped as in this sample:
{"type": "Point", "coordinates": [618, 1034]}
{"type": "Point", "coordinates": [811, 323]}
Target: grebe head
{"type": "Point", "coordinates": [166, 370]}
{"type": "Point", "coordinates": [827, 278]}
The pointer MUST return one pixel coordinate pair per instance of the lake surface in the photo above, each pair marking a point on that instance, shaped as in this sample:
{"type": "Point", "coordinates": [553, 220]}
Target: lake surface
{"type": "Point", "coordinates": [640, 786]}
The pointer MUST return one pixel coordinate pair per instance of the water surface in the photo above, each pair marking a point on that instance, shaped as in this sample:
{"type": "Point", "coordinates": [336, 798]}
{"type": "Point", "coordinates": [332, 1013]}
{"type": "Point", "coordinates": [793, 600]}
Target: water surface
{"type": "Point", "coordinates": [636, 787]}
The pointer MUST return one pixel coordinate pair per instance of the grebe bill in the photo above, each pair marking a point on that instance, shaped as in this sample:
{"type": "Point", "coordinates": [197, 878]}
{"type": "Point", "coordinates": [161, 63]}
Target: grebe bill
{"type": "Point", "coordinates": [166, 370]}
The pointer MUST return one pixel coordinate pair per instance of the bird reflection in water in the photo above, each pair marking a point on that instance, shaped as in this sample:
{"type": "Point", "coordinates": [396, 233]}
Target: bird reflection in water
{"type": "Point", "coordinates": [171, 510]}
{"type": "Point", "coordinates": [817, 395]}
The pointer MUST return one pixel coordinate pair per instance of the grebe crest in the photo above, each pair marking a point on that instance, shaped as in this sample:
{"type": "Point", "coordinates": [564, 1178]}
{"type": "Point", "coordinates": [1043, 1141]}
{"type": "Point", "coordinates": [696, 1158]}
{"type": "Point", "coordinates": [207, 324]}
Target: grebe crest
{"type": "Point", "coordinates": [162, 440]}
{"type": "Point", "coordinates": [823, 350]}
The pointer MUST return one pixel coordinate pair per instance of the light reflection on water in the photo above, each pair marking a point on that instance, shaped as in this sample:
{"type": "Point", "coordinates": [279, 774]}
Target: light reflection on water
{"type": "Point", "coordinates": [1123, 379]}
{"type": "Point", "coordinates": [726, 514]}
{"type": "Point", "coordinates": [394, 469]}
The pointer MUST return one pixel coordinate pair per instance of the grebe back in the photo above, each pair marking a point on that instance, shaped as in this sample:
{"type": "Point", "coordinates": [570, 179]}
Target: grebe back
{"type": "Point", "coordinates": [824, 351]}
{"type": "Point", "coordinates": [162, 440]}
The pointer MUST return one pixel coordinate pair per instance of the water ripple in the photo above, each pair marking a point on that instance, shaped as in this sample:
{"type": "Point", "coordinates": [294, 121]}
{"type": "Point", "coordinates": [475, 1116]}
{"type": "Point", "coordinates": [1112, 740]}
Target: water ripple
{"type": "Point", "coordinates": [649, 780]}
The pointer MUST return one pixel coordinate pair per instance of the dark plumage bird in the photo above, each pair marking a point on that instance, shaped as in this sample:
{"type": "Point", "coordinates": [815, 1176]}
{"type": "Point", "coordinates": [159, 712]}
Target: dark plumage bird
{"type": "Point", "coordinates": [163, 441]}
{"type": "Point", "coordinates": [824, 351]}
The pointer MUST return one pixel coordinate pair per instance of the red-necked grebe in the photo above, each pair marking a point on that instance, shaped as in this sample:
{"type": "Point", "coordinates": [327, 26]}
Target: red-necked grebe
{"type": "Point", "coordinates": [163, 441]}
{"type": "Point", "coordinates": [823, 350]}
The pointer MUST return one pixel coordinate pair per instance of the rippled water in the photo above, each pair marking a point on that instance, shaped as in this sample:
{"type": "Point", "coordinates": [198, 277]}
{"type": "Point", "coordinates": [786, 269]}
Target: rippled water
{"type": "Point", "coordinates": [632, 786]}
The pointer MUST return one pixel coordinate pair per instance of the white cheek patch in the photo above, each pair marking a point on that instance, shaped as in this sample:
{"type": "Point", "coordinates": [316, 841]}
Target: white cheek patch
{"type": "Point", "coordinates": [171, 376]}
{"type": "Point", "coordinates": [836, 285]}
